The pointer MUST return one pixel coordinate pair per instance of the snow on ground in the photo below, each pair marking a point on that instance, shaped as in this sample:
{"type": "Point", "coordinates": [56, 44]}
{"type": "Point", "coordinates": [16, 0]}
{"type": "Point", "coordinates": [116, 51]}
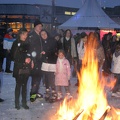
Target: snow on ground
{"type": "Point", "coordinates": [40, 109]}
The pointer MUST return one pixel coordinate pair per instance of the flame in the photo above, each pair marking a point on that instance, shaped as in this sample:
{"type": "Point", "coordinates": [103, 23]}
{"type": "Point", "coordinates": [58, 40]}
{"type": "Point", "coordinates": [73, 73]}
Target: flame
{"type": "Point", "coordinates": [91, 103]}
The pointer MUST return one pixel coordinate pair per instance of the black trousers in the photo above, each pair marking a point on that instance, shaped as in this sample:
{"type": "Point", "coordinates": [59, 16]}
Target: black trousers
{"type": "Point", "coordinates": [49, 79]}
{"type": "Point", "coordinates": [8, 60]}
{"type": "Point", "coordinates": [21, 87]}
{"type": "Point", "coordinates": [35, 83]}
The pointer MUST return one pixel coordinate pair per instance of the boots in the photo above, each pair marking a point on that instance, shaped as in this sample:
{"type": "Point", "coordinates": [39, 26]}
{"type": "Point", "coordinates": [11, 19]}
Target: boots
{"type": "Point", "coordinates": [47, 94]}
{"type": "Point", "coordinates": [33, 97]}
{"type": "Point", "coordinates": [59, 97]}
{"type": "Point", "coordinates": [69, 96]}
{"type": "Point", "coordinates": [53, 97]}
{"type": "Point", "coordinates": [25, 106]}
{"type": "Point", "coordinates": [17, 106]}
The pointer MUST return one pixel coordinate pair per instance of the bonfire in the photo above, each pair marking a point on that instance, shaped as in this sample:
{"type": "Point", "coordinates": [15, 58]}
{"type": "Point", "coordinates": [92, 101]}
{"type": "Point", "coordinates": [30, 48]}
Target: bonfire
{"type": "Point", "coordinates": [91, 103]}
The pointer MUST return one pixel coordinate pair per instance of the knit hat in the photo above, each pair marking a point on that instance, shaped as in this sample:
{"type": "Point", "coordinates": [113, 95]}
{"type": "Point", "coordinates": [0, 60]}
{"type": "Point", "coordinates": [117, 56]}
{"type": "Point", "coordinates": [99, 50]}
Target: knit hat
{"type": "Point", "coordinates": [37, 22]}
{"type": "Point", "coordinates": [9, 30]}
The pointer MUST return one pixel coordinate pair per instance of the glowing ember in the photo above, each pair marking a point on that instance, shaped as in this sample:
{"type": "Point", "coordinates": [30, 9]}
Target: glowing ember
{"type": "Point", "coordinates": [91, 103]}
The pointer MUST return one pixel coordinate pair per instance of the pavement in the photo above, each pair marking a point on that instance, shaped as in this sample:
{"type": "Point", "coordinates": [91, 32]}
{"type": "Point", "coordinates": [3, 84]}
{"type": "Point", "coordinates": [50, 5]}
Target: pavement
{"type": "Point", "coordinates": [40, 109]}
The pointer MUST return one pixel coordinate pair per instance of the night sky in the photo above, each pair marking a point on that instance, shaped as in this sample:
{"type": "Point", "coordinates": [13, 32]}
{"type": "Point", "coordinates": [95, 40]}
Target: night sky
{"type": "Point", "coordinates": [67, 3]}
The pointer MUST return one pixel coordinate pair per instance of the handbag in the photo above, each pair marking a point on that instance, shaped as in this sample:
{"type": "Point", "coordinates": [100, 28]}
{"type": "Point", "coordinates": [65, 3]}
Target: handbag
{"type": "Point", "coordinates": [24, 71]}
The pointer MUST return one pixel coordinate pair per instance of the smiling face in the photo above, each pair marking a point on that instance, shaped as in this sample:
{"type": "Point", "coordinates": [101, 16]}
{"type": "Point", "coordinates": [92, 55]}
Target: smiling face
{"type": "Point", "coordinates": [44, 35]}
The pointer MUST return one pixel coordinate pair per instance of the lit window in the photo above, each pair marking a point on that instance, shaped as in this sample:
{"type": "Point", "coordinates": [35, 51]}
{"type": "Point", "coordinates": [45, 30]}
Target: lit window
{"type": "Point", "coordinates": [73, 13]}
{"type": "Point", "coordinates": [67, 13]}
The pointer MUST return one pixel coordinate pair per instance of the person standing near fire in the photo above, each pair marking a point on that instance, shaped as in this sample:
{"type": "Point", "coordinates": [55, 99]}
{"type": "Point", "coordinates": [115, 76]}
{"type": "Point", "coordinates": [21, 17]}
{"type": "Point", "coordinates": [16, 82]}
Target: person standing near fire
{"type": "Point", "coordinates": [19, 54]}
{"type": "Point", "coordinates": [35, 50]}
{"type": "Point", "coordinates": [115, 69]}
{"type": "Point", "coordinates": [81, 51]}
{"type": "Point", "coordinates": [49, 58]}
{"type": "Point", "coordinates": [62, 75]}
{"type": "Point", "coordinates": [69, 46]}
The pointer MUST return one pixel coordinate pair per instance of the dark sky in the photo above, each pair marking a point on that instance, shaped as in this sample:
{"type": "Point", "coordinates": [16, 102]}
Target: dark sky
{"type": "Point", "coordinates": [68, 3]}
{"type": "Point", "coordinates": [109, 3]}
{"type": "Point", "coordinates": [78, 3]}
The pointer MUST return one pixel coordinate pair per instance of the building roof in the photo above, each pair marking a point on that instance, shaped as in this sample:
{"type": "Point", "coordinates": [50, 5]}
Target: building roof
{"type": "Point", "coordinates": [90, 15]}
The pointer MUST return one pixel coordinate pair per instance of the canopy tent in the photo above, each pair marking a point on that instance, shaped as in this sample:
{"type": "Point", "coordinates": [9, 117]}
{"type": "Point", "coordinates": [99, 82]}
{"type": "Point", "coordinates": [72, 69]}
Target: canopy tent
{"type": "Point", "coordinates": [90, 15]}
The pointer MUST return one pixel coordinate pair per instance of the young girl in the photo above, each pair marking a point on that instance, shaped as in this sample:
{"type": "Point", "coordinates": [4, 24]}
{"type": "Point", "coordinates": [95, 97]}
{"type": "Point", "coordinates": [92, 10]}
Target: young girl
{"type": "Point", "coordinates": [62, 75]}
{"type": "Point", "coordinates": [19, 53]}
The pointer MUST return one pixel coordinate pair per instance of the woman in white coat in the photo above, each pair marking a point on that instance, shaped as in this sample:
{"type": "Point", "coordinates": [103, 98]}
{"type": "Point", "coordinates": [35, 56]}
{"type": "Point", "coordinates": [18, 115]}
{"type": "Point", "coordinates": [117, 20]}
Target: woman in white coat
{"type": "Point", "coordinates": [116, 71]}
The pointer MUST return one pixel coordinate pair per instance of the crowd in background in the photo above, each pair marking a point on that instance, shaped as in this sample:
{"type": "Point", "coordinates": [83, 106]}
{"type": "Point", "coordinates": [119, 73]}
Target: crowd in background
{"type": "Point", "coordinates": [51, 57]}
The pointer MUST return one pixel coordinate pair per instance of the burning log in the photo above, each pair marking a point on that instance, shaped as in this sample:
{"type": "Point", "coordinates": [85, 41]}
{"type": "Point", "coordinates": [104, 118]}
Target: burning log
{"type": "Point", "coordinates": [105, 113]}
{"type": "Point", "coordinates": [75, 118]}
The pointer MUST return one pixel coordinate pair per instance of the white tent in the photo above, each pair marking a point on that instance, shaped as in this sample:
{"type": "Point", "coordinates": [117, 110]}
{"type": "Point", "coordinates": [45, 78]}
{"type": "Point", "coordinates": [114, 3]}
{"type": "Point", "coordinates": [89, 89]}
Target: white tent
{"type": "Point", "coordinates": [90, 15]}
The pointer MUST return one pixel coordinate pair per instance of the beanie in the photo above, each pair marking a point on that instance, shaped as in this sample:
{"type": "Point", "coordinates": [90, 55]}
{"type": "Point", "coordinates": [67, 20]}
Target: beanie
{"type": "Point", "coordinates": [9, 30]}
{"type": "Point", "coordinates": [37, 22]}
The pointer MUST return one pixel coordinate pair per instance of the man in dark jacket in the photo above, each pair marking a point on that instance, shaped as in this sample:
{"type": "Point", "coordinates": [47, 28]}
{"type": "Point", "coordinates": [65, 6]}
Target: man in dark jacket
{"type": "Point", "coordinates": [35, 53]}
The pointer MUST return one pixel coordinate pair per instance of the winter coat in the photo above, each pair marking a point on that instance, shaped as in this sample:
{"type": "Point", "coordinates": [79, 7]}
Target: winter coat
{"type": "Point", "coordinates": [35, 46]}
{"type": "Point", "coordinates": [8, 41]}
{"type": "Point", "coordinates": [62, 75]}
{"type": "Point", "coordinates": [81, 50]}
{"type": "Point", "coordinates": [115, 67]}
{"type": "Point", "coordinates": [50, 47]}
{"type": "Point", "coordinates": [50, 57]}
{"type": "Point", "coordinates": [72, 47]}
{"type": "Point", "coordinates": [19, 52]}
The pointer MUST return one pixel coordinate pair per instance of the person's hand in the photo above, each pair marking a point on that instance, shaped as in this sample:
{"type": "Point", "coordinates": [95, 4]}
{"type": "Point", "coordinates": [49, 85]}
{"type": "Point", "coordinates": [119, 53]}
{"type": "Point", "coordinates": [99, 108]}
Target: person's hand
{"type": "Point", "coordinates": [32, 64]}
{"type": "Point", "coordinates": [43, 52]}
{"type": "Point", "coordinates": [27, 60]}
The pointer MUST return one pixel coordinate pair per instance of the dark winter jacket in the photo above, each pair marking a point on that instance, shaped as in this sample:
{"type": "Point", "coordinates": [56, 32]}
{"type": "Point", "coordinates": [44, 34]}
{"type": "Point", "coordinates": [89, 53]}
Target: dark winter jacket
{"type": "Point", "coordinates": [50, 47]}
{"type": "Point", "coordinates": [35, 46]}
{"type": "Point", "coordinates": [19, 53]}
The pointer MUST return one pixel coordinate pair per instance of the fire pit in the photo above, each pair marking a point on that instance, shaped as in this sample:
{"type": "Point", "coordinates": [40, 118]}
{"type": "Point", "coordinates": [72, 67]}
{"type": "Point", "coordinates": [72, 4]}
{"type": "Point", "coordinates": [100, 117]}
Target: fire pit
{"type": "Point", "coordinates": [91, 103]}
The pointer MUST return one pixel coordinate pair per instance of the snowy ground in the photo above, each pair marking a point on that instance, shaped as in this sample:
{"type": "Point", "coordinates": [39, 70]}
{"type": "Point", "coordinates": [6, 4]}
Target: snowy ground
{"type": "Point", "coordinates": [40, 110]}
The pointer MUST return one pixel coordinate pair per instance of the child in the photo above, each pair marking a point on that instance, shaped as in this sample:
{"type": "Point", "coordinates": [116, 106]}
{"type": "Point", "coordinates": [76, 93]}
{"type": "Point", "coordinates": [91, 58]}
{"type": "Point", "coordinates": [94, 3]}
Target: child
{"type": "Point", "coordinates": [62, 75]}
{"type": "Point", "coordinates": [19, 54]}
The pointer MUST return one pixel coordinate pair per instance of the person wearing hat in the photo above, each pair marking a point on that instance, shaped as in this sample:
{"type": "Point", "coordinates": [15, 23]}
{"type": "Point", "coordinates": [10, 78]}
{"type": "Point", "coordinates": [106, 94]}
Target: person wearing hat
{"type": "Point", "coordinates": [35, 53]}
{"type": "Point", "coordinates": [7, 44]}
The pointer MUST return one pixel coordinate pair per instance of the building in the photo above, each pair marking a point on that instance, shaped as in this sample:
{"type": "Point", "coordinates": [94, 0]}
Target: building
{"type": "Point", "coordinates": [23, 15]}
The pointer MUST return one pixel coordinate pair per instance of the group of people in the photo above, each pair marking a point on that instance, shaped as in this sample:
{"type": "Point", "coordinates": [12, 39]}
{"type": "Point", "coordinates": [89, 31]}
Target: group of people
{"type": "Point", "coordinates": [38, 55]}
